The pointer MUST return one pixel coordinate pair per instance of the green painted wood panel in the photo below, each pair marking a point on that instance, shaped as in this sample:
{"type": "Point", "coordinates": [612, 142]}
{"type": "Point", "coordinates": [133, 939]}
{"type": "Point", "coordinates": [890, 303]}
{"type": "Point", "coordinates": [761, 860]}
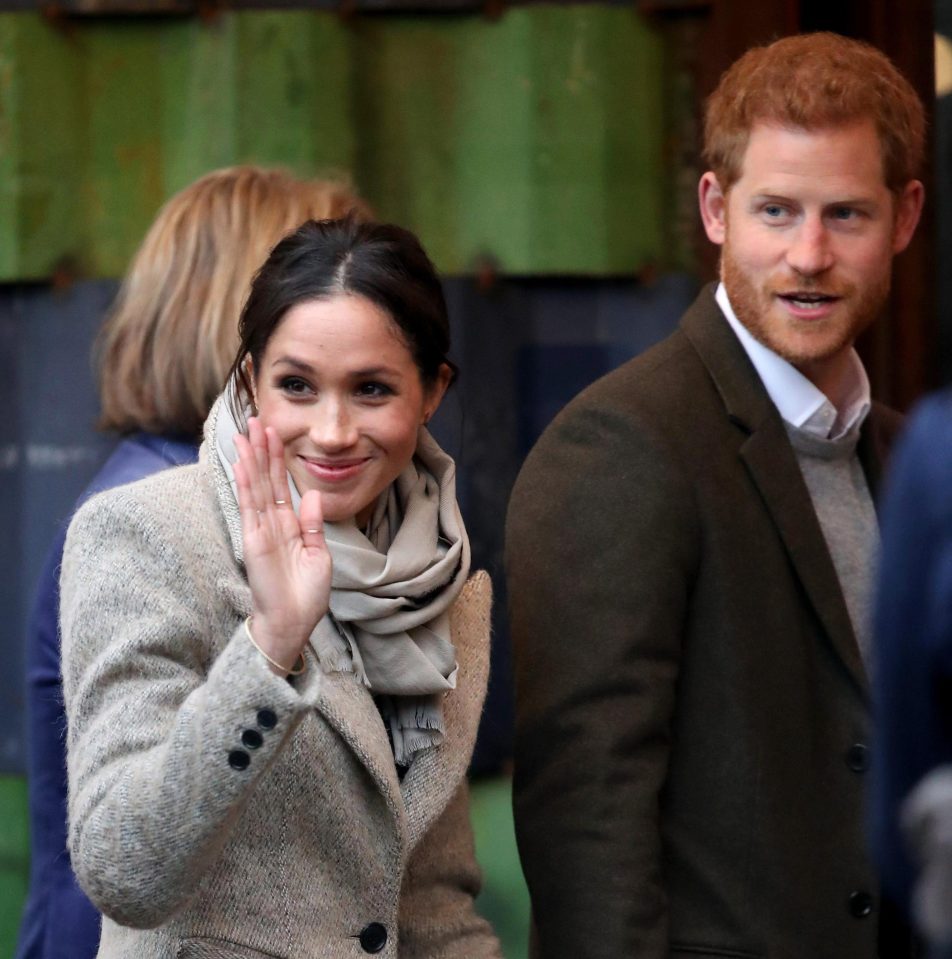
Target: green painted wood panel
{"type": "Point", "coordinates": [534, 140]}
{"type": "Point", "coordinates": [504, 899]}
{"type": "Point", "coordinates": [14, 858]}
{"type": "Point", "coordinates": [40, 161]}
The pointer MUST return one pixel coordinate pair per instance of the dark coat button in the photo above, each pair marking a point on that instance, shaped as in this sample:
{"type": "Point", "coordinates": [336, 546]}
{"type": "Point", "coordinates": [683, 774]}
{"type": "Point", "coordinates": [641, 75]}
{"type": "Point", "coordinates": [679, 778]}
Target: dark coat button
{"type": "Point", "coordinates": [857, 757]}
{"type": "Point", "coordinates": [267, 718]}
{"type": "Point", "coordinates": [252, 738]}
{"type": "Point", "coordinates": [861, 904]}
{"type": "Point", "coordinates": [238, 759]}
{"type": "Point", "coordinates": [374, 937]}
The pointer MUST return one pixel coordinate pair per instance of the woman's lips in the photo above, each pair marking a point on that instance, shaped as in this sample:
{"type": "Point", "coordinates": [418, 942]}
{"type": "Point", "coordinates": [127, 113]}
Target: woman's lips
{"type": "Point", "coordinates": [334, 471]}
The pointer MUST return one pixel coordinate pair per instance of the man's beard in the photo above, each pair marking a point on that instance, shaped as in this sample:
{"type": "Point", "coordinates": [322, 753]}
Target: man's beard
{"type": "Point", "coordinates": [822, 338]}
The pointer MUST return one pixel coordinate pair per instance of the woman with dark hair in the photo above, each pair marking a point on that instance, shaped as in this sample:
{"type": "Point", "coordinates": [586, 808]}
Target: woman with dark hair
{"type": "Point", "coordinates": [274, 661]}
{"type": "Point", "coordinates": [163, 354]}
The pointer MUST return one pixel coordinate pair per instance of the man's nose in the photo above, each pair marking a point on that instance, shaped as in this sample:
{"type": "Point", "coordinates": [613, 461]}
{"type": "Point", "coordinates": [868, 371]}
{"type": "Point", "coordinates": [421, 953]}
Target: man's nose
{"type": "Point", "coordinates": [810, 251]}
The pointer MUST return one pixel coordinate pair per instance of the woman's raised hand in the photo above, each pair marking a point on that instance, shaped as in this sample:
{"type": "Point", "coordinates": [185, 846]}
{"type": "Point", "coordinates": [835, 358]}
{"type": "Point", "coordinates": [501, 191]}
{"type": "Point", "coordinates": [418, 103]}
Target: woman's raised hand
{"type": "Point", "coordinates": [286, 558]}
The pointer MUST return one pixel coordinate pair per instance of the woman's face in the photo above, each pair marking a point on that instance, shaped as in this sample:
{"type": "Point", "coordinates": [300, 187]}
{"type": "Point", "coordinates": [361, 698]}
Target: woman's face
{"type": "Point", "coordinates": [340, 387]}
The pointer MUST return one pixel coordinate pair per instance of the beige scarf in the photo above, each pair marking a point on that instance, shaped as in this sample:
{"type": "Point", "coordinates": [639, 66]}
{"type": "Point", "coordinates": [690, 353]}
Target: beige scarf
{"type": "Point", "coordinates": [391, 587]}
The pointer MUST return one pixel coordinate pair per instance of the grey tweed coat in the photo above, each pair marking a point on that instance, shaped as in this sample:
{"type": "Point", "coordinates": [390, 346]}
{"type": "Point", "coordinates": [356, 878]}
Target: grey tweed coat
{"type": "Point", "coordinates": [218, 811]}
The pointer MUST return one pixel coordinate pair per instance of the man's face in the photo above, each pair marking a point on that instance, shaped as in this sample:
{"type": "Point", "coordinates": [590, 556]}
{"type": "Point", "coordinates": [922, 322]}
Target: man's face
{"type": "Point", "coordinates": [809, 231]}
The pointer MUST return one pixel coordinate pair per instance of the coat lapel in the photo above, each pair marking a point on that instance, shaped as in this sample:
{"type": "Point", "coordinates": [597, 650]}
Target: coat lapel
{"type": "Point", "coordinates": [880, 432]}
{"type": "Point", "coordinates": [350, 709]}
{"type": "Point", "coordinates": [772, 464]}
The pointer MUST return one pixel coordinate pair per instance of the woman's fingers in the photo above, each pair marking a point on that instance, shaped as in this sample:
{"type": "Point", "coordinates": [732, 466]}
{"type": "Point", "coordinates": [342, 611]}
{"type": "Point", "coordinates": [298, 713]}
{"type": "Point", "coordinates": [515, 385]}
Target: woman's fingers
{"type": "Point", "coordinates": [312, 520]}
{"type": "Point", "coordinates": [286, 557]}
{"type": "Point", "coordinates": [260, 482]}
{"type": "Point", "coordinates": [246, 505]}
{"type": "Point", "coordinates": [265, 504]}
{"type": "Point", "coordinates": [277, 470]}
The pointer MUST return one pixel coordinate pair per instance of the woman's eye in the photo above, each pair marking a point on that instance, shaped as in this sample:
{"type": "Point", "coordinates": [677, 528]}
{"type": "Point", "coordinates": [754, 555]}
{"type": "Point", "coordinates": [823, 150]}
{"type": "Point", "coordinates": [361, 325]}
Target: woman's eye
{"type": "Point", "coordinates": [294, 385]}
{"type": "Point", "coordinates": [374, 390]}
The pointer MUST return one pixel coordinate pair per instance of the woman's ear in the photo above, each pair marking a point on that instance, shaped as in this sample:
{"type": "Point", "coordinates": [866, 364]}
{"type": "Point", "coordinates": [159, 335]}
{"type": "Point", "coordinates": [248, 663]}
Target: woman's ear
{"type": "Point", "coordinates": [436, 391]}
{"type": "Point", "coordinates": [249, 371]}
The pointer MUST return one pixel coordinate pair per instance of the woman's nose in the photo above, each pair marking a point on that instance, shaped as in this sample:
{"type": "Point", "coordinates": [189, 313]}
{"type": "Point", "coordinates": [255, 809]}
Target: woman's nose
{"type": "Point", "coordinates": [333, 426]}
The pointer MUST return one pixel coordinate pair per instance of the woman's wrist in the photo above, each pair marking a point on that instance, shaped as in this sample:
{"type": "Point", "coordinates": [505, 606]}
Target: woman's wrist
{"type": "Point", "coordinates": [282, 663]}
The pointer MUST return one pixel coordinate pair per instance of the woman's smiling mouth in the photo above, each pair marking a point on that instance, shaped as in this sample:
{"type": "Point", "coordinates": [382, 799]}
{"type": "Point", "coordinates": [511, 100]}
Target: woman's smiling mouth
{"type": "Point", "coordinates": [334, 471]}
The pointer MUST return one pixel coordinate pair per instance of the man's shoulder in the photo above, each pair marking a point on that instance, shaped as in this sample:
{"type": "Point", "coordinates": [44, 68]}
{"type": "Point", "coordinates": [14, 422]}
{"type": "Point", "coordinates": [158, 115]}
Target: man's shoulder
{"type": "Point", "coordinates": [666, 372]}
{"type": "Point", "coordinates": [644, 379]}
{"type": "Point", "coordinates": [658, 407]}
{"type": "Point", "coordinates": [668, 385]}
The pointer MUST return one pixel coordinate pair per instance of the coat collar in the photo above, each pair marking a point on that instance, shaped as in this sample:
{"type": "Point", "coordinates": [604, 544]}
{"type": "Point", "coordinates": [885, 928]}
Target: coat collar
{"type": "Point", "coordinates": [770, 460]}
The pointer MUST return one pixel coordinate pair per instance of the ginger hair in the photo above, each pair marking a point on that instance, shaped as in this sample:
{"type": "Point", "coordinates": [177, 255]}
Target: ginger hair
{"type": "Point", "coordinates": [814, 81]}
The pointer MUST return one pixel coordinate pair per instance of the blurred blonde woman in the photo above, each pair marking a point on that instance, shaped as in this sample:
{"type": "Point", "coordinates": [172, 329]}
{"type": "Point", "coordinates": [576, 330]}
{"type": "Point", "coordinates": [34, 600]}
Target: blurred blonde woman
{"type": "Point", "coordinates": [163, 356]}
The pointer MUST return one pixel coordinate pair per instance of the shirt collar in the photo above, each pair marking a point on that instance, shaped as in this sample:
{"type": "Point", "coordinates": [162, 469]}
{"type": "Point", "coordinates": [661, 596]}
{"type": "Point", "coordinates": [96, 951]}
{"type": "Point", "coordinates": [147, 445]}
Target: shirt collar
{"type": "Point", "coordinates": [798, 401]}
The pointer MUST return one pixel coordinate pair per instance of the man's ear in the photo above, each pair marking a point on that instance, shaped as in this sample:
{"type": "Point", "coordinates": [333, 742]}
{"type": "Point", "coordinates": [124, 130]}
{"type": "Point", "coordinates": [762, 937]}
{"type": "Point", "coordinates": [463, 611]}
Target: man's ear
{"type": "Point", "coordinates": [713, 204]}
{"type": "Point", "coordinates": [908, 210]}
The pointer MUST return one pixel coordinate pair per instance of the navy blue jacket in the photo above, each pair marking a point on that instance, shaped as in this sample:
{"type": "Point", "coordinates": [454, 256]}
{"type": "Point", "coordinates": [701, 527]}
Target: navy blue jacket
{"type": "Point", "coordinates": [913, 682]}
{"type": "Point", "coordinates": [59, 922]}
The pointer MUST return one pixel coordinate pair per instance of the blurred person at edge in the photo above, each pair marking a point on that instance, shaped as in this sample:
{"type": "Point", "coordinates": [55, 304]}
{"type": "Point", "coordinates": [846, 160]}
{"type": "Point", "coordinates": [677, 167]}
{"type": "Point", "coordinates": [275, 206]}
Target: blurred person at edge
{"type": "Point", "coordinates": [689, 556]}
{"type": "Point", "coordinates": [163, 355]}
{"type": "Point", "coordinates": [911, 807]}
{"type": "Point", "coordinates": [274, 661]}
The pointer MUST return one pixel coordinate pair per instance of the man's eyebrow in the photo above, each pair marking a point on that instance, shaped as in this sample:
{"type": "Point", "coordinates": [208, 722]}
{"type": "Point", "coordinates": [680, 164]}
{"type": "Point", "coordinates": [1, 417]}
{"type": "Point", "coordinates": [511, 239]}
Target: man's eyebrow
{"type": "Point", "coordinates": [769, 196]}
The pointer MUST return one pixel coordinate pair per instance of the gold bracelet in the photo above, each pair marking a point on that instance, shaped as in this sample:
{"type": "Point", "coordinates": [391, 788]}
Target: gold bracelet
{"type": "Point", "coordinates": [301, 665]}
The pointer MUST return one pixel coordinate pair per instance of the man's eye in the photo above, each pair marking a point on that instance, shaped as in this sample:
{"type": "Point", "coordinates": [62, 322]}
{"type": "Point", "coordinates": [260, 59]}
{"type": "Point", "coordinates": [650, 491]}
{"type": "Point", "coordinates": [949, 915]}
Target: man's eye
{"type": "Point", "coordinates": [844, 213]}
{"type": "Point", "coordinates": [774, 210]}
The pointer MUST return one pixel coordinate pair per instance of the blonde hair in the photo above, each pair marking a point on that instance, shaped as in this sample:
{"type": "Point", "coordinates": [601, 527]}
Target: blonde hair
{"type": "Point", "coordinates": [165, 349]}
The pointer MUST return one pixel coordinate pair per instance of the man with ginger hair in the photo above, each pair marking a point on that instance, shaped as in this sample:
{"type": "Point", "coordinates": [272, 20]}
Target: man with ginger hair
{"type": "Point", "coordinates": [689, 550]}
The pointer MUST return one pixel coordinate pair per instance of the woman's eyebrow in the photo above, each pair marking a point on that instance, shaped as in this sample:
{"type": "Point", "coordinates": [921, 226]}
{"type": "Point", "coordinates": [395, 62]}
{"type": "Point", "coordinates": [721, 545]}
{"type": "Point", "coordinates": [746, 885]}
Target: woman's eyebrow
{"type": "Point", "coordinates": [296, 363]}
{"type": "Point", "coordinates": [305, 367]}
{"type": "Point", "coordinates": [375, 371]}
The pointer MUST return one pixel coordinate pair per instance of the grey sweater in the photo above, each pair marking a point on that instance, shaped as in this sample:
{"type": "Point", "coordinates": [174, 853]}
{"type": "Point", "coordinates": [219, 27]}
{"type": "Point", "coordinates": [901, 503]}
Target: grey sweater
{"type": "Point", "coordinates": [844, 507]}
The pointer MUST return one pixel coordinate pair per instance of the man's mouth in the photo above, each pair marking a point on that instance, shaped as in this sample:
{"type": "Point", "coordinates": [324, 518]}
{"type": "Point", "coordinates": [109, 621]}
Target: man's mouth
{"type": "Point", "coordinates": [807, 301]}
